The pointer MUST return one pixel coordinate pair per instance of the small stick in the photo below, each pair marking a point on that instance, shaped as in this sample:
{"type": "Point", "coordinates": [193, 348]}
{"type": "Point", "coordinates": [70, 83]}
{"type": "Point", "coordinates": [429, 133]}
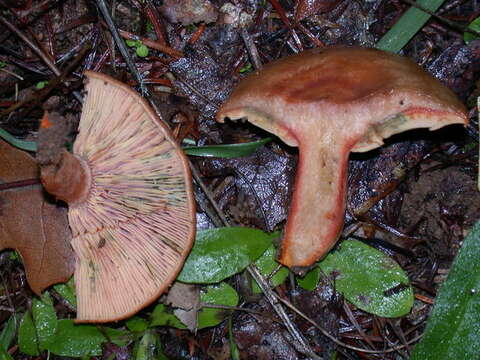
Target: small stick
{"type": "Point", "coordinates": [251, 49]}
{"type": "Point", "coordinates": [152, 44]}
{"type": "Point", "coordinates": [121, 45]}
{"type": "Point", "coordinates": [32, 46]}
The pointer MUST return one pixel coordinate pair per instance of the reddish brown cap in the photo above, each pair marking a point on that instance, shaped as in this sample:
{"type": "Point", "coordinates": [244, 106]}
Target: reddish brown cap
{"type": "Point", "coordinates": [133, 224]}
{"type": "Point", "coordinates": [329, 102]}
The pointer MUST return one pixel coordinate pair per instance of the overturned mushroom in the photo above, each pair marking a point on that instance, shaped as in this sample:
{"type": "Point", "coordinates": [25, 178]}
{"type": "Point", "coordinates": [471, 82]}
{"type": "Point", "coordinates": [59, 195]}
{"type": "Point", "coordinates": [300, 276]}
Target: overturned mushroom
{"type": "Point", "coordinates": [131, 205]}
{"type": "Point", "coordinates": [329, 102]}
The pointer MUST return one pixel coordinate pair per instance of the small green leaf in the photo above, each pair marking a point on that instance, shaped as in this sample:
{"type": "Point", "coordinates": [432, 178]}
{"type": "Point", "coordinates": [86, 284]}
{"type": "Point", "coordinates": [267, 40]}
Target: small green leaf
{"type": "Point", "coordinates": [20, 144]}
{"type": "Point", "coordinates": [77, 340]}
{"type": "Point", "coordinates": [131, 43]}
{"type": "Point", "coordinates": [41, 84]}
{"type": "Point", "coordinates": [142, 51]}
{"type": "Point", "coordinates": [219, 294]}
{"type": "Point", "coordinates": [474, 25]}
{"type": "Point", "coordinates": [149, 26]}
{"type": "Point", "coordinates": [2, 64]}
{"type": "Point", "coordinates": [67, 291]}
{"type": "Point", "coordinates": [246, 68]}
{"type": "Point", "coordinates": [149, 347]}
{"type": "Point", "coordinates": [407, 26]}
{"type": "Point", "coordinates": [222, 252]}
{"type": "Point", "coordinates": [226, 151]}
{"type": "Point", "coordinates": [310, 280]}
{"type": "Point", "coordinates": [8, 332]}
{"type": "Point", "coordinates": [453, 330]}
{"type": "Point", "coordinates": [369, 279]}
{"type": "Point", "coordinates": [137, 324]}
{"type": "Point", "coordinates": [4, 355]}
{"type": "Point", "coordinates": [162, 317]}
{"type": "Point", "coordinates": [45, 320]}
{"type": "Point", "coordinates": [27, 336]}
{"type": "Point", "coordinates": [267, 264]}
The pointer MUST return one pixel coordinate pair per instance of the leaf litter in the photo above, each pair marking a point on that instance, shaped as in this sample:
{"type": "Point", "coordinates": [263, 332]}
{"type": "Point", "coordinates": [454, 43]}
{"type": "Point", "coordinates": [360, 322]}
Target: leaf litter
{"type": "Point", "coordinates": [423, 202]}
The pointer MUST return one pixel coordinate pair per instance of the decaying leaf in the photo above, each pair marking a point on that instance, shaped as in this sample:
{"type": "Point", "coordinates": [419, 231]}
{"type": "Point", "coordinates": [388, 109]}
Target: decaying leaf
{"type": "Point", "coordinates": [30, 224]}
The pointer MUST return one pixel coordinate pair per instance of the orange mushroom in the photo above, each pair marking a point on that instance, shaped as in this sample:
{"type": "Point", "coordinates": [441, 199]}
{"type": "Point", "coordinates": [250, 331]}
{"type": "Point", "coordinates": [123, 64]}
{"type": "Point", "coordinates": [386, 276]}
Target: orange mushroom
{"type": "Point", "coordinates": [131, 204]}
{"type": "Point", "coordinates": [329, 102]}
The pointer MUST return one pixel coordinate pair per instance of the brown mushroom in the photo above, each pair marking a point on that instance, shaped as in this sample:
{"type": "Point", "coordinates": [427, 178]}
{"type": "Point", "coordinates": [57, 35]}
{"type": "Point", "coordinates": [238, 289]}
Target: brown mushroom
{"type": "Point", "coordinates": [329, 102]}
{"type": "Point", "coordinates": [131, 205]}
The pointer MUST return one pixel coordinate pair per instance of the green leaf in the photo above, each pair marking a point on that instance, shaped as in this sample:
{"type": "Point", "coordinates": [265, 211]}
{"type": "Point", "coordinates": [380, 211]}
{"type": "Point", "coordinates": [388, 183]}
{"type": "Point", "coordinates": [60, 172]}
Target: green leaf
{"type": "Point", "coordinates": [41, 84]}
{"type": "Point", "coordinates": [220, 253]}
{"type": "Point", "coordinates": [474, 25]}
{"type": "Point", "coordinates": [4, 355]}
{"type": "Point", "coordinates": [246, 68]}
{"type": "Point", "coordinates": [369, 279]}
{"type": "Point", "coordinates": [226, 151]}
{"type": "Point", "coordinates": [149, 348]}
{"type": "Point", "coordinates": [137, 324]}
{"type": "Point", "coordinates": [407, 26]}
{"type": "Point", "coordinates": [8, 332]}
{"type": "Point", "coordinates": [27, 335]}
{"type": "Point", "coordinates": [45, 320]}
{"type": "Point", "coordinates": [219, 294]}
{"type": "Point", "coordinates": [310, 280]}
{"type": "Point", "coordinates": [77, 340]}
{"type": "Point", "coordinates": [142, 51]}
{"type": "Point", "coordinates": [20, 144]}
{"type": "Point", "coordinates": [67, 291]}
{"type": "Point", "coordinates": [162, 317]}
{"type": "Point", "coordinates": [267, 264]}
{"type": "Point", "coordinates": [131, 43]}
{"type": "Point", "coordinates": [453, 330]}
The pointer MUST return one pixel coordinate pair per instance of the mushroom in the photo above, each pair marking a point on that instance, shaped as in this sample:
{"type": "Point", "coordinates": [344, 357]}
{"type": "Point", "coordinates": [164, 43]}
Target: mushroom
{"type": "Point", "coordinates": [131, 204]}
{"type": "Point", "coordinates": [330, 102]}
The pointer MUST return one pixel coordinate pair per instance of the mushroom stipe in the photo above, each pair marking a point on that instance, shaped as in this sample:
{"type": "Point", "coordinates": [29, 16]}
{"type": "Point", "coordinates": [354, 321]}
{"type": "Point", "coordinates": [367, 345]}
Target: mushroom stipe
{"type": "Point", "coordinates": [329, 102]}
{"type": "Point", "coordinates": [131, 203]}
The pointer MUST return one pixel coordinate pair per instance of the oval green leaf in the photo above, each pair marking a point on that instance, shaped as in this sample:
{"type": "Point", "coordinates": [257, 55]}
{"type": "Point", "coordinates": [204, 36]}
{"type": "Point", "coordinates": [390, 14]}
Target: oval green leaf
{"type": "Point", "coordinates": [162, 316]}
{"type": "Point", "coordinates": [310, 280]}
{"type": "Point", "coordinates": [77, 340]}
{"type": "Point", "coordinates": [222, 252]}
{"type": "Point", "coordinates": [219, 294]}
{"type": "Point", "coordinates": [369, 279]}
{"type": "Point", "coordinates": [226, 151]}
{"type": "Point", "coordinates": [267, 264]}
{"type": "Point", "coordinates": [27, 336]}
{"type": "Point", "coordinates": [453, 330]}
{"type": "Point", "coordinates": [67, 291]}
{"type": "Point", "coordinates": [45, 320]}
{"type": "Point", "coordinates": [8, 332]}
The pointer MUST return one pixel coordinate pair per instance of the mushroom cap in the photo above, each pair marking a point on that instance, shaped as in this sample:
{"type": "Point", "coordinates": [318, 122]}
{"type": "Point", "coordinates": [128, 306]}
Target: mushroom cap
{"type": "Point", "coordinates": [134, 227]}
{"type": "Point", "coordinates": [331, 101]}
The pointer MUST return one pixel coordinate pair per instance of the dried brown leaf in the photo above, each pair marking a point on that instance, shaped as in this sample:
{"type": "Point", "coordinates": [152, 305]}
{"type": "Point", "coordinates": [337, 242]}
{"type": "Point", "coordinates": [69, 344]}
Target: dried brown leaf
{"type": "Point", "coordinates": [30, 224]}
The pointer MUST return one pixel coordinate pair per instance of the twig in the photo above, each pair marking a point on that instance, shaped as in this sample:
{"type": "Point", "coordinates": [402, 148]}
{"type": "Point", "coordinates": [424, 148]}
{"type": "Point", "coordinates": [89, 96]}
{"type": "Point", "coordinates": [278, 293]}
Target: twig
{"type": "Point", "coordinates": [151, 44]}
{"type": "Point", "coordinates": [272, 299]}
{"type": "Point", "coordinates": [121, 45]}
{"type": "Point", "coordinates": [34, 47]}
{"type": "Point", "coordinates": [340, 343]}
{"type": "Point", "coordinates": [251, 49]}
{"type": "Point", "coordinates": [51, 85]}
{"type": "Point", "coordinates": [20, 183]}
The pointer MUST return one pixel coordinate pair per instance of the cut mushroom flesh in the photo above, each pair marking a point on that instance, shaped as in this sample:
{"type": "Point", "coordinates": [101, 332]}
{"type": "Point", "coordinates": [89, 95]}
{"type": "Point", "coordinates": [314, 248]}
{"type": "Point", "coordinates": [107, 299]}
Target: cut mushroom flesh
{"type": "Point", "coordinates": [329, 102]}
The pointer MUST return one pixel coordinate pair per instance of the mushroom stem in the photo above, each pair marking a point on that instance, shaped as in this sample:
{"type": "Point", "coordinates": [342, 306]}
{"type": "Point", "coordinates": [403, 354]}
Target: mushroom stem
{"type": "Point", "coordinates": [69, 180]}
{"type": "Point", "coordinates": [313, 226]}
